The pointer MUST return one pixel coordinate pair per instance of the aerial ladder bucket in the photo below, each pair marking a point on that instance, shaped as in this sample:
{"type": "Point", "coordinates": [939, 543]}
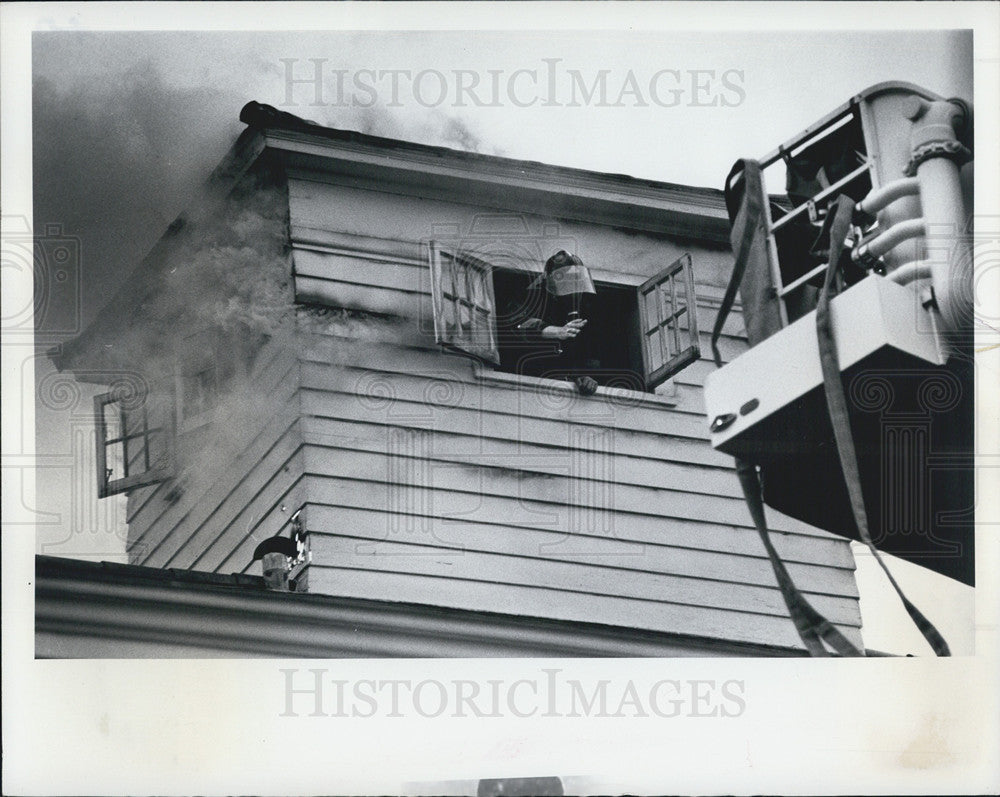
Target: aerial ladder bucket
{"type": "Point", "coordinates": [901, 323]}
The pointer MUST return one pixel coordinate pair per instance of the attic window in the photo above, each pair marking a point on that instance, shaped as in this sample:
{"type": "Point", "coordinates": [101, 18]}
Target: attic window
{"type": "Point", "coordinates": [648, 333]}
{"type": "Point", "coordinates": [134, 442]}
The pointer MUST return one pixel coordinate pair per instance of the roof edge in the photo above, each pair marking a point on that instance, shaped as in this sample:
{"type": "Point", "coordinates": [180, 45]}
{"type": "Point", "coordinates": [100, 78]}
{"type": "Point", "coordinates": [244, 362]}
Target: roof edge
{"type": "Point", "coordinates": [87, 606]}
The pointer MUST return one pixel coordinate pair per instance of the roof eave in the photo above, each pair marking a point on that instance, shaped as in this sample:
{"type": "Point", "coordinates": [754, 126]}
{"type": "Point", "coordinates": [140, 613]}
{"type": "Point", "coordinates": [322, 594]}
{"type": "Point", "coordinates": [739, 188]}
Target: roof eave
{"type": "Point", "coordinates": [574, 194]}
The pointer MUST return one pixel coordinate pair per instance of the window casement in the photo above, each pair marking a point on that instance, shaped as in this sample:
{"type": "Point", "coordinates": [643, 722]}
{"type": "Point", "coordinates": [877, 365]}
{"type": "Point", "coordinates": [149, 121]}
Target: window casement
{"type": "Point", "coordinates": [135, 440]}
{"type": "Point", "coordinates": [464, 305]}
{"type": "Point", "coordinates": [668, 321]}
{"type": "Point", "coordinates": [650, 331]}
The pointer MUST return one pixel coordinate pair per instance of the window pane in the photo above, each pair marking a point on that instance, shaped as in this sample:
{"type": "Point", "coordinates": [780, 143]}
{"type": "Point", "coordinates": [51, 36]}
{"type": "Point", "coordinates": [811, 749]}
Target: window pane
{"type": "Point", "coordinates": [199, 391]}
{"type": "Point", "coordinates": [475, 285]}
{"type": "Point", "coordinates": [112, 420]}
{"type": "Point", "coordinates": [136, 449]}
{"type": "Point", "coordinates": [666, 300]}
{"type": "Point", "coordinates": [482, 297]}
{"type": "Point", "coordinates": [114, 462]}
{"type": "Point", "coordinates": [462, 303]}
{"type": "Point", "coordinates": [481, 331]}
{"type": "Point", "coordinates": [133, 420]}
{"type": "Point", "coordinates": [124, 453]}
{"type": "Point", "coordinates": [655, 342]}
{"type": "Point", "coordinates": [450, 285]}
{"type": "Point", "coordinates": [450, 311]}
{"type": "Point", "coordinates": [651, 309]}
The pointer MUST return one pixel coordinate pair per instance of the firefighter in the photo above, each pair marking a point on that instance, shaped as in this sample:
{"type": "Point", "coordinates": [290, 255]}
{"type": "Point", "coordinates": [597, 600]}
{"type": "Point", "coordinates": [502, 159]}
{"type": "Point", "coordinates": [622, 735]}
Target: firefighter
{"type": "Point", "coordinates": [559, 301]}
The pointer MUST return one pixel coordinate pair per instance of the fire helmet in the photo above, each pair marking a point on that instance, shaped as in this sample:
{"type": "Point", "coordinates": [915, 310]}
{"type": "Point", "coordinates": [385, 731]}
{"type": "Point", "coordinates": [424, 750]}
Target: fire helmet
{"type": "Point", "coordinates": [564, 275]}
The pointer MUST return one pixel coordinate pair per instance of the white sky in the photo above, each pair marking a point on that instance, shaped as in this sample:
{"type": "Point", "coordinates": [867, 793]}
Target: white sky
{"type": "Point", "coordinates": [790, 79]}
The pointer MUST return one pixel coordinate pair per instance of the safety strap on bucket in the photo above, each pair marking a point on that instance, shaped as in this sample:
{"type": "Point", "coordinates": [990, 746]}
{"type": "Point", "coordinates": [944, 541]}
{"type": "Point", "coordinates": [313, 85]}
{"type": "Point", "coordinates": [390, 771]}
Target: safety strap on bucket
{"type": "Point", "coordinates": [840, 419]}
{"type": "Point", "coordinates": [754, 214]}
{"type": "Point", "coordinates": [813, 628]}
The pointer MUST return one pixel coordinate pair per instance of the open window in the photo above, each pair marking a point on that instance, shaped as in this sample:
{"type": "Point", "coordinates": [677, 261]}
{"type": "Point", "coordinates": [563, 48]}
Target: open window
{"type": "Point", "coordinates": [134, 441]}
{"type": "Point", "coordinates": [668, 320]}
{"type": "Point", "coordinates": [464, 305]}
{"type": "Point", "coordinates": [648, 333]}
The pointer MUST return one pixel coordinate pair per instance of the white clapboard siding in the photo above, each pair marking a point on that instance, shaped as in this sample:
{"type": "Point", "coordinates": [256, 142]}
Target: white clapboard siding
{"type": "Point", "coordinates": [564, 492]}
{"type": "Point", "coordinates": [649, 614]}
{"type": "Point", "coordinates": [430, 483]}
{"type": "Point", "coordinates": [558, 455]}
{"type": "Point", "coordinates": [648, 578]}
{"type": "Point", "coordinates": [487, 426]}
{"type": "Point", "coordinates": [446, 512]}
{"type": "Point", "coordinates": [366, 535]}
{"type": "Point", "coordinates": [234, 504]}
{"type": "Point", "coordinates": [140, 498]}
{"type": "Point", "coordinates": [268, 515]}
{"type": "Point", "coordinates": [389, 377]}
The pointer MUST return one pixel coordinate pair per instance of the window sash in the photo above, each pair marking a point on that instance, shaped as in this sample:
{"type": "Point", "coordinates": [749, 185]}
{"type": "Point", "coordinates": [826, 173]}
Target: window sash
{"type": "Point", "coordinates": [128, 441]}
{"type": "Point", "coordinates": [463, 303]}
{"type": "Point", "coordinates": [667, 304]}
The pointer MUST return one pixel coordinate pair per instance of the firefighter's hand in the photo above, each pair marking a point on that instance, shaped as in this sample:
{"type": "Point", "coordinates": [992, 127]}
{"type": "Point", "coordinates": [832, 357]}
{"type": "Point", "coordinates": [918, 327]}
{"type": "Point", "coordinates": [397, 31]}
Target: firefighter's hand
{"type": "Point", "coordinates": [568, 332]}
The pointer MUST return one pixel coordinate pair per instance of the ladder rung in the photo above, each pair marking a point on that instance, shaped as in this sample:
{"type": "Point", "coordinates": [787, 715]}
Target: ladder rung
{"type": "Point", "coordinates": [802, 280]}
{"type": "Point", "coordinates": [824, 194]}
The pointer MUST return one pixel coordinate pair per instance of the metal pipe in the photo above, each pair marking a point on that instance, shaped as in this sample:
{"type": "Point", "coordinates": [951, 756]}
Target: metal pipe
{"type": "Point", "coordinates": [936, 156]}
{"type": "Point", "coordinates": [887, 194]}
{"type": "Point", "coordinates": [890, 239]}
{"type": "Point", "coordinates": [275, 567]}
{"type": "Point", "coordinates": [910, 272]}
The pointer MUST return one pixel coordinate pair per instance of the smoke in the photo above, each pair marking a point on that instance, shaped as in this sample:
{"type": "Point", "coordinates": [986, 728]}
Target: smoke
{"type": "Point", "coordinates": [114, 163]}
{"type": "Point", "coordinates": [119, 153]}
{"type": "Point", "coordinates": [458, 132]}
{"type": "Point", "coordinates": [433, 127]}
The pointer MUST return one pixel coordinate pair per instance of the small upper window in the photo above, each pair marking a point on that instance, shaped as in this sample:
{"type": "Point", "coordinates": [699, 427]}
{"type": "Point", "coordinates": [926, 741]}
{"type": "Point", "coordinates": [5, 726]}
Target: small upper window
{"type": "Point", "coordinates": [639, 337]}
{"type": "Point", "coordinates": [134, 442]}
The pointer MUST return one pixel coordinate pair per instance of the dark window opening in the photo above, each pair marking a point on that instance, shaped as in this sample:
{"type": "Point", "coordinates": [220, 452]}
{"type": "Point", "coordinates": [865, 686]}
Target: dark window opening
{"type": "Point", "coordinates": [611, 338]}
{"type": "Point", "coordinates": [636, 338]}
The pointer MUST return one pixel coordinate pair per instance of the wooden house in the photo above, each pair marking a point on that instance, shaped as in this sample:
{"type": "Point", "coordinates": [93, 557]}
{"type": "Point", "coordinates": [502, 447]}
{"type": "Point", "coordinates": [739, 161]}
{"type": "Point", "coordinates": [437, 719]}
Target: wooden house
{"type": "Point", "coordinates": [317, 350]}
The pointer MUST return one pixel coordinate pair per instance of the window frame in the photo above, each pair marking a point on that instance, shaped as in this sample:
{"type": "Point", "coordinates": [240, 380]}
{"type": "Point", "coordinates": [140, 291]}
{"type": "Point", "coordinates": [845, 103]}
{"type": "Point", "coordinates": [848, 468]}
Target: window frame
{"type": "Point", "coordinates": [680, 358]}
{"type": "Point", "coordinates": [487, 353]}
{"type": "Point", "coordinates": [659, 384]}
{"type": "Point", "coordinates": [616, 395]}
{"type": "Point", "coordinates": [106, 486]}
